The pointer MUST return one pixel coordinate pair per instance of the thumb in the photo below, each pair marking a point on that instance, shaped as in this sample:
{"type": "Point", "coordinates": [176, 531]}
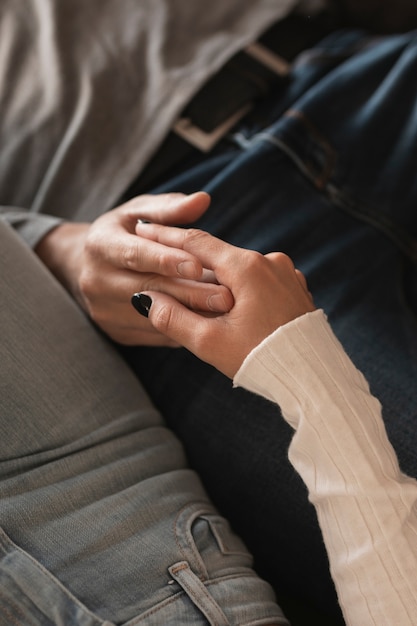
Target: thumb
{"type": "Point", "coordinates": [204, 336]}
{"type": "Point", "coordinates": [170, 317]}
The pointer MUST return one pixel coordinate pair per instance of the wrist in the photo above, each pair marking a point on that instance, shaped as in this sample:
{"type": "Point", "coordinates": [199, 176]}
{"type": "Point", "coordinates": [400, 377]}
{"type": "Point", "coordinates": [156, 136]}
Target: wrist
{"type": "Point", "coordinates": [61, 250]}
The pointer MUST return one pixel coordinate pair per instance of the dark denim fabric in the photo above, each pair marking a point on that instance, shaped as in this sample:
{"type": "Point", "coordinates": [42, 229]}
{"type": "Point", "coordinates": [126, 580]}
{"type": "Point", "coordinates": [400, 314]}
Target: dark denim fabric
{"type": "Point", "coordinates": [326, 174]}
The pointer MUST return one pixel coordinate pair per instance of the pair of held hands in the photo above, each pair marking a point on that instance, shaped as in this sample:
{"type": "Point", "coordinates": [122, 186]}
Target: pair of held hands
{"type": "Point", "coordinates": [217, 300]}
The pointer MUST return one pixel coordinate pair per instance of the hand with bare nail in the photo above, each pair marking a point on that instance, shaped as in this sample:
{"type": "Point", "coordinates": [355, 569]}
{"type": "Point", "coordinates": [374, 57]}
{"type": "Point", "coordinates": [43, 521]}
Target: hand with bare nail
{"type": "Point", "coordinates": [102, 264]}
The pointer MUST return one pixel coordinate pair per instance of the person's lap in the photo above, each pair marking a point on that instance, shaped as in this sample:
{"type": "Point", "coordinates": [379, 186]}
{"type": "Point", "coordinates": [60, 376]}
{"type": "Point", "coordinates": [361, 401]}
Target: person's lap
{"type": "Point", "coordinates": [100, 518]}
{"type": "Point", "coordinates": [332, 183]}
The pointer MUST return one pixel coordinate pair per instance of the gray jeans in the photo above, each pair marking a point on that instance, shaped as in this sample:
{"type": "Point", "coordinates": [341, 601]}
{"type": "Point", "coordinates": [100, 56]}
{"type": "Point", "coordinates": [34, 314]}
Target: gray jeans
{"type": "Point", "coordinates": [101, 520]}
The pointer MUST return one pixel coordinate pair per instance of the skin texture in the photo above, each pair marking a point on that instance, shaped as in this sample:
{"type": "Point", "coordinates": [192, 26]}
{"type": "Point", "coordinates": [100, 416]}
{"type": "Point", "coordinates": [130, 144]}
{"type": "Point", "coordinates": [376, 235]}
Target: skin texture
{"type": "Point", "coordinates": [268, 292]}
{"type": "Point", "coordinates": [102, 264]}
{"type": "Point", "coordinates": [217, 300]}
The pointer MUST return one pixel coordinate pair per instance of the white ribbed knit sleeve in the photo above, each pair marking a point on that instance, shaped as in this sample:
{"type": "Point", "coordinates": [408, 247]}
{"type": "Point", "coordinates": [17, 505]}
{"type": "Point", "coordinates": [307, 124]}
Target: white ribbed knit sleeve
{"type": "Point", "coordinates": [367, 508]}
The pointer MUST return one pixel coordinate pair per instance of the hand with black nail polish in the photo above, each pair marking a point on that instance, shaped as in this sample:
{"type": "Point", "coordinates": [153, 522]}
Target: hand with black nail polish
{"type": "Point", "coordinates": [268, 292]}
{"type": "Point", "coordinates": [142, 303]}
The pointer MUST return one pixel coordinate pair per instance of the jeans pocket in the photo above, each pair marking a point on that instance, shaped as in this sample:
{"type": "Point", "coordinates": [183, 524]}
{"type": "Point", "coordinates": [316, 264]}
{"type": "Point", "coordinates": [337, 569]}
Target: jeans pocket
{"type": "Point", "coordinates": [31, 596]}
{"type": "Point", "coordinates": [208, 544]}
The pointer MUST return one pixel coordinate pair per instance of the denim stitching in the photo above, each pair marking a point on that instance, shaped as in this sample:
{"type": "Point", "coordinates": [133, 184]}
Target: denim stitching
{"type": "Point", "coordinates": [362, 211]}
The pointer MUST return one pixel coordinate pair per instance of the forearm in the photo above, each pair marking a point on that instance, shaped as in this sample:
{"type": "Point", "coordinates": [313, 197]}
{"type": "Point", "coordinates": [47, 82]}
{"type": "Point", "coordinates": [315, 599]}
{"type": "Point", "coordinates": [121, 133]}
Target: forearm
{"type": "Point", "coordinates": [366, 507]}
{"type": "Point", "coordinates": [61, 250]}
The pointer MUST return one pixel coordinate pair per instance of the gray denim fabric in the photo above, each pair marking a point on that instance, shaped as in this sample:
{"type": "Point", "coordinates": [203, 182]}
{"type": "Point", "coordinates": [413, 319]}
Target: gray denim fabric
{"type": "Point", "coordinates": [101, 520]}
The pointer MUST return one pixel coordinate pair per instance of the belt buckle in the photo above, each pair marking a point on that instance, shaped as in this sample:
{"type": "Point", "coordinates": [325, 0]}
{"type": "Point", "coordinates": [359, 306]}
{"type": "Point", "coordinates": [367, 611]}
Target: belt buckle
{"type": "Point", "coordinates": [205, 141]}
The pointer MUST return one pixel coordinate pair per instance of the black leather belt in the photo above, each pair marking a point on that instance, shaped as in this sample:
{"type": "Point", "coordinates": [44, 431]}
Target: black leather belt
{"type": "Point", "coordinates": [244, 80]}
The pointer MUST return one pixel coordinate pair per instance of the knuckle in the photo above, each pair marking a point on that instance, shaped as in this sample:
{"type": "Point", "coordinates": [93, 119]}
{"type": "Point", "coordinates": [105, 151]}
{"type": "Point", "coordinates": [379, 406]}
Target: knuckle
{"type": "Point", "coordinates": [93, 243]}
{"type": "Point", "coordinates": [157, 282]}
{"type": "Point", "coordinates": [253, 260]}
{"type": "Point", "coordinates": [165, 263]}
{"type": "Point", "coordinates": [162, 319]}
{"type": "Point", "coordinates": [193, 236]}
{"type": "Point", "coordinates": [130, 256]}
{"type": "Point", "coordinates": [86, 284]}
{"type": "Point", "coordinates": [148, 282]}
{"type": "Point", "coordinates": [282, 260]}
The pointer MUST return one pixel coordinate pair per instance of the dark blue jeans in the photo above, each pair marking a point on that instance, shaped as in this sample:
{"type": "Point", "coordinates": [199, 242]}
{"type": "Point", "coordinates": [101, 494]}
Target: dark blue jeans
{"type": "Point", "coordinates": [327, 174]}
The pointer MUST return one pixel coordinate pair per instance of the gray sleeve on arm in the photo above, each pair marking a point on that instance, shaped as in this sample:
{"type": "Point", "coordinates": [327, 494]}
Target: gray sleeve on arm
{"type": "Point", "coordinates": [32, 227]}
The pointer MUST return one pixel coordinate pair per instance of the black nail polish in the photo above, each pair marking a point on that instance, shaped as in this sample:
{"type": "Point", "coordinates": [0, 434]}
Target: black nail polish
{"type": "Point", "coordinates": [142, 303]}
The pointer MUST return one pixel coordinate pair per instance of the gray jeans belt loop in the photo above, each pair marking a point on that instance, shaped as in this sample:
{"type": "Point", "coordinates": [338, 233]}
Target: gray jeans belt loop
{"type": "Point", "coordinates": [198, 593]}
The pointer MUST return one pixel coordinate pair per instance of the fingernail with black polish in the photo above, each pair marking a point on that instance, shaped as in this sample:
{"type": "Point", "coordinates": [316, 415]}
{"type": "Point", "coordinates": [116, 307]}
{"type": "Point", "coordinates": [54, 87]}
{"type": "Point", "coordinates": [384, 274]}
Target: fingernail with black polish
{"type": "Point", "coordinates": [142, 303]}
